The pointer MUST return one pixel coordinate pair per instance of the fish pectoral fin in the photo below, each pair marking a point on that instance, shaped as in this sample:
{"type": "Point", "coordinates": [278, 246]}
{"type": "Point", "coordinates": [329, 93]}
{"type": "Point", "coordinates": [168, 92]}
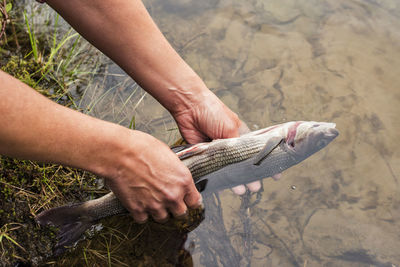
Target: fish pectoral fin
{"type": "Point", "coordinates": [267, 149]}
{"type": "Point", "coordinates": [187, 155]}
{"type": "Point", "coordinates": [201, 185]}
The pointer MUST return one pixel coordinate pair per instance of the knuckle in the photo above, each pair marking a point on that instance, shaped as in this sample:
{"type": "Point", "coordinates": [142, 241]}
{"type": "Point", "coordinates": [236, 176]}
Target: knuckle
{"type": "Point", "coordinates": [171, 197]}
{"type": "Point", "coordinates": [179, 211]}
{"type": "Point", "coordinates": [140, 219]}
{"type": "Point", "coordinates": [135, 208]}
{"type": "Point", "coordinates": [154, 206]}
{"type": "Point", "coordinates": [186, 180]}
{"type": "Point", "coordinates": [138, 211]}
{"type": "Point", "coordinates": [160, 215]}
{"type": "Point", "coordinates": [193, 200]}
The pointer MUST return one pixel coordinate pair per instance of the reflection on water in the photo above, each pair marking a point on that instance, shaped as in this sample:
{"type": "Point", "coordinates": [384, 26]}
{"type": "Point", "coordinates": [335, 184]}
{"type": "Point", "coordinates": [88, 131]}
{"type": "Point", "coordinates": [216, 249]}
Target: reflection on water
{"type": "Point", "coordinates": [275, 61]}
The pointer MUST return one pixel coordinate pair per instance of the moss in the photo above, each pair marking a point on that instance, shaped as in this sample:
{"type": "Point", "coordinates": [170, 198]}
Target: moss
{"type": "Point", "coordinates": [27, 187]}
{"type": "Point", "coordinates": [25, 70]}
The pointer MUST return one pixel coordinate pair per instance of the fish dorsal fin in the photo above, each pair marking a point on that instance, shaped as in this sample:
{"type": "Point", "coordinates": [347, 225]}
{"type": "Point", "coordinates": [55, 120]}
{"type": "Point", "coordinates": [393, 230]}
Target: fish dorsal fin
{"type": "Point", "coordinates": [191, 150]}
{"type": "Point", "coordinates": [267, 149]}
{"type": "Point", "coordinates": [179, 148]}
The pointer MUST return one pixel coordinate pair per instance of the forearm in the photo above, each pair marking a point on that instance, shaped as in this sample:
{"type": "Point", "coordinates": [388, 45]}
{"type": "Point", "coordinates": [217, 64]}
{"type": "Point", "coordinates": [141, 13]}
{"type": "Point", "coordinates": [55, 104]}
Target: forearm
{"type": "Point", "coordinates": [36, 128]}
{"type": "Point", "coordinates": [125, 32]}
{"type": "Point", "coordinates": [33, 127]}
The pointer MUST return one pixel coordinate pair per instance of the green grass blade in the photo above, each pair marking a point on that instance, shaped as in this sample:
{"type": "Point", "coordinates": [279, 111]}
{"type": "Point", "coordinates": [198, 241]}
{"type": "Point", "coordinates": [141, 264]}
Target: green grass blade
{"type": "Point", "coordinates": [13, 241]}
{"type": "Point", "coordinates": [132, 125]}
{"type": "Point", "coordinates": [55, 50]}
{"type": "Point", "coordinates": [32, 38]}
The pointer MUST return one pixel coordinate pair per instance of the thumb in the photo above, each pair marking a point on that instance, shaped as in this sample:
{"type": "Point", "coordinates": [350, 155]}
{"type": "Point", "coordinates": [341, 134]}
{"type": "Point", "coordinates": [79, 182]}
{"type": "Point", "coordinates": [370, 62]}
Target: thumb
{"type": "Point", "coordinates": [243, 129]}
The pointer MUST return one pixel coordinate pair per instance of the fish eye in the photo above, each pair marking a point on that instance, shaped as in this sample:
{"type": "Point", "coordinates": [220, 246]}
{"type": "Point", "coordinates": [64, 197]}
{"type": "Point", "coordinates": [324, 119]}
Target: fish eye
{"type": "Point", "coordinates": [316, 125]}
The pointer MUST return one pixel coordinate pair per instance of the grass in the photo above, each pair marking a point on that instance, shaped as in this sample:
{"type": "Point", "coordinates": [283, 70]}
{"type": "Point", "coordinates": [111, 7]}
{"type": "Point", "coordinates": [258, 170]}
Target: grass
{"type": "Point", "coordinates": [26, 188]}
{"type": "Point", "coordinates": [58, 63]}
{"type": "Point", "coordinates": [3, 234]}
{"type": "Point", "coordinates": [32, 39]}
{"type": "Point", "coordinates": [47, 57]}
{"type": "Point", "coordinates": [55, 62]}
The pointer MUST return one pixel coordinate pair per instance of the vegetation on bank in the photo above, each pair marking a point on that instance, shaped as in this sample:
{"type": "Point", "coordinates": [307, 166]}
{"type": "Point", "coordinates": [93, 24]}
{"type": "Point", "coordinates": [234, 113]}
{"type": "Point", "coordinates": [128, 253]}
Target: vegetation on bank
{"type": "Point", "coordinates": [41, 52]}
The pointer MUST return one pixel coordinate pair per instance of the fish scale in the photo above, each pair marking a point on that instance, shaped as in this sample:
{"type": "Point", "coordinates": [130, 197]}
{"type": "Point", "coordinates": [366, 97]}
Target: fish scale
{"type": "Point", "coordinates": [218, 156]}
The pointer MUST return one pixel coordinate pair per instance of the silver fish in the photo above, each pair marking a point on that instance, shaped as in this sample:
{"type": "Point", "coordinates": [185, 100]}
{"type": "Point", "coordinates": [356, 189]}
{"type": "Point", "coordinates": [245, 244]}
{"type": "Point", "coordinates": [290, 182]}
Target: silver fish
{"type": "Point", "coordinates": [217, 165]}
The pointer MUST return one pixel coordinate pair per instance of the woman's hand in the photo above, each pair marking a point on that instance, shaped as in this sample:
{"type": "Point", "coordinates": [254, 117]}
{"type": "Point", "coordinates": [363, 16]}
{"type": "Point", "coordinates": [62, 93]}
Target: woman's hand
{"type": "Point", "coordinates": [149, 178]}
{"type": "Point", "coordinates": [131, 38]}
{"type": "Point", "coordinates": [209, 118]}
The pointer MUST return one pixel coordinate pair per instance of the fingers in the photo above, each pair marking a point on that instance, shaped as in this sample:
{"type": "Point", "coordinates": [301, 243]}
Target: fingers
{"type": "Point", "coordinates": [254, 186]}
{"type": "Point", "coordinates": [139, 217]}
{"type": "Point", "coordinates": [277, 176]}
{"type": "Point", "coordinates": [159, 215]}
{"type": "Point", "coordinates": [239, 190]}
{"type": "Point", "coordinates": [177, 206]}
{"type": "Point", "coordinates": [179, 210]}
{"type": "Point", "coordinates": [193, 198]}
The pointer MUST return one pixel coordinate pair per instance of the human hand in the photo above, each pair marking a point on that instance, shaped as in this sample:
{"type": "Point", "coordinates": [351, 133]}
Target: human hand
{"type": "Point", "coordinates": [150, 179]}
{"type": "Point", "coordinates": [212, 119]}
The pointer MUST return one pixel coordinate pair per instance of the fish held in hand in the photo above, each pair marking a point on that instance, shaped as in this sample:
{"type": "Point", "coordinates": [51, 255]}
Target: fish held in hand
{"type": "Point", "coordinates": [217, 165]}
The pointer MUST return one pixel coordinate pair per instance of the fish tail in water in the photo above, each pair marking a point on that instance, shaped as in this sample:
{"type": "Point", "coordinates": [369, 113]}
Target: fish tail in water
{"type": "Point", "coordinates": [72, 222]}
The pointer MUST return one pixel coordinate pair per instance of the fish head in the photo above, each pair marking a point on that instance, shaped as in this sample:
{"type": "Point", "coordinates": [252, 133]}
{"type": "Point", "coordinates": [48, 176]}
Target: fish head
{"type": "Point", "coordinates": [304, 138]}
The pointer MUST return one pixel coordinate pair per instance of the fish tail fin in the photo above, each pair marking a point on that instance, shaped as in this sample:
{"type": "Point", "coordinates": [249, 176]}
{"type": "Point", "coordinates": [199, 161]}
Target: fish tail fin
{"type": "Point", "coordinates": [71, 221]}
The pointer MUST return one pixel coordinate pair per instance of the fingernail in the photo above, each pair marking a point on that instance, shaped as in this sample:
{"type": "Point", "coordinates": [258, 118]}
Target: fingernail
{"type": "Point", "coordinates": [141, 222]}
{"type": "Point", "coordinates": [200, 203]}
{"type": "Point", "coordinates": [164, 220]}
{"type": "Point", "coordinates": [182, 216]}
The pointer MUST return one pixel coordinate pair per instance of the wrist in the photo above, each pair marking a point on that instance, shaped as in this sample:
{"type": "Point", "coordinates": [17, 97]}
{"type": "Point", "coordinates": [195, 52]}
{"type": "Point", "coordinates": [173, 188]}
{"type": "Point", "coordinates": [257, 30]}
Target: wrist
{"type": "Point", "coordinates": [107, 151]}
{"type": "Point", "coordinates": [187, 99]}
{"type": "Point", "coordinates": [182, 94]}
{"type": "Point", "coordinates": [121, 150]}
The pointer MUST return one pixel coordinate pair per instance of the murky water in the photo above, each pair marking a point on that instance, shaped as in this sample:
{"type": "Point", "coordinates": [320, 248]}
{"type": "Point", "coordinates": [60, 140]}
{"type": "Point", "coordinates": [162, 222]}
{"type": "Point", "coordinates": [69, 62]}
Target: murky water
{"type": "Point", "coordinates": [275, 61]}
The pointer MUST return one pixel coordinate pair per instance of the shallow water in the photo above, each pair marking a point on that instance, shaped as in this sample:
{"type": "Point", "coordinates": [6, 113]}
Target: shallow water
{"type": "Point", "coordinates": [276, 61]}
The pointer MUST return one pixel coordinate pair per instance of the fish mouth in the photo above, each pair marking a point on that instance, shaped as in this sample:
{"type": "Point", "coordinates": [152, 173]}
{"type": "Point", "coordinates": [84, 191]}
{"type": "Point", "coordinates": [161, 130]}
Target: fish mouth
{"type": "Point", "coordinates": [329, 129]}
{"type": "Point", "coordinates": [332, 133]}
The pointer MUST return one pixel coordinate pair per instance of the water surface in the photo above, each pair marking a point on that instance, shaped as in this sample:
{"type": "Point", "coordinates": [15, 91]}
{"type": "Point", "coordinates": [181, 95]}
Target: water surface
{"type": "Point", "coordinates": [276, 61]}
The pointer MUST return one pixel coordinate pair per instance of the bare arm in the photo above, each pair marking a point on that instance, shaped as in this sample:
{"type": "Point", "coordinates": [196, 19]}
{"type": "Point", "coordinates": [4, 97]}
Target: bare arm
{"type": "Point", "coordinates": [36, 128]}
{"type": "Point", "coordinates": [124, 31]}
